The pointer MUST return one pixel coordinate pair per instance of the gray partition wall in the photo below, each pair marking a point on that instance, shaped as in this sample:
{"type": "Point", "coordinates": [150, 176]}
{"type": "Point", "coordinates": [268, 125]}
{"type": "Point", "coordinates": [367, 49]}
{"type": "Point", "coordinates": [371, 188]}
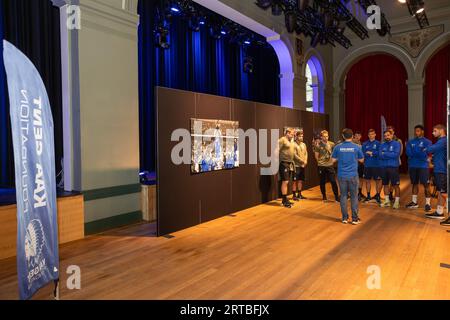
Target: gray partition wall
{"type": "Point", "coordinates": [186, 199]}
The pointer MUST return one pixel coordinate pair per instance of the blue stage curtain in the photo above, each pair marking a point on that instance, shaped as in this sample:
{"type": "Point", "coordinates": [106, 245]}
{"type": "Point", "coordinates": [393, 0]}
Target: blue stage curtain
{"type": "Point", "coordinates": [196, 62]}
{"type": "Point", "coordinates": [34, 28]}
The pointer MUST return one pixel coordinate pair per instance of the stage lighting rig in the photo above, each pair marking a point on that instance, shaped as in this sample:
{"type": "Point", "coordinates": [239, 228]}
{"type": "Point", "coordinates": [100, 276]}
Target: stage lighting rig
{"type": "Point", "coordinates": [323, 20]}
{"type": "Point", "coordinates": [161, 37]}
{"type": "Point", "coordinates": [248, 65]}
{"type": "Point", "coordinates": [197, 16]}
{"type": "Point", "coordinates": [417, 9]}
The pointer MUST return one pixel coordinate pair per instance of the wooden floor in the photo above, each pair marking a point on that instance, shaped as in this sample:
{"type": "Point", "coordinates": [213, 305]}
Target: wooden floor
{"type": "Point", "coordinates": [266, 252]}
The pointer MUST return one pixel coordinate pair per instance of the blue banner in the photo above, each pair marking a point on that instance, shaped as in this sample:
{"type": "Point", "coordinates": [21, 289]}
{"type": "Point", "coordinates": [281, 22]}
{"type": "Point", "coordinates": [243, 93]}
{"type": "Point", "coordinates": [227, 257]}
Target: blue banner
{"type": "Point", "coordinates": [34, 158]}
{"type": "Point", "coordinates": [383, 128]}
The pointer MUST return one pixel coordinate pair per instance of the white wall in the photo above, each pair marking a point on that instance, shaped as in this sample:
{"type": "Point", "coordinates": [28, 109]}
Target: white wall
{"type": "Point", "coordinates": [108, 107]}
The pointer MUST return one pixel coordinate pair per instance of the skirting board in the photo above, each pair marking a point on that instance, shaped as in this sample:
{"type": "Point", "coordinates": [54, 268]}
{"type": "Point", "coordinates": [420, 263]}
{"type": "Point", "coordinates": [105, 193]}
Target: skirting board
{"type": "Point", "coordinates": [70, 224]}
{"type": "Point", "coordinates": [106, 224]}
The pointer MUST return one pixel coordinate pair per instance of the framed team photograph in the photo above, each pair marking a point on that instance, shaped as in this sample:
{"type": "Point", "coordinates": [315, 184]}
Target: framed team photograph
{"type": "Point", "coordinates": [214, 145]}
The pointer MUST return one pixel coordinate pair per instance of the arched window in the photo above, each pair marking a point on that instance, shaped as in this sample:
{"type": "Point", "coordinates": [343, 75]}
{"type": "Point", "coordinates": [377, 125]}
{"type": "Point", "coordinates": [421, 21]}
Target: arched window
{"type": "Point", "coordinates": [314, 85]}
{"type": "Point", "coordinates": [309, 89]}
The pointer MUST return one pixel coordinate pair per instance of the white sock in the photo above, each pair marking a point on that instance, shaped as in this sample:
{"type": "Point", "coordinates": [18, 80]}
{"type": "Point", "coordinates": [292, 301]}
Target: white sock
{"type": "Point", "coordinates": [414, 198]}
{"type": "Point", "coordinates": [397, 199]}
{"type": "Point", "coordinates": [428, 201]}
{"type": "Point", "coordinates": [440, 210]}
{"type": "Point", "coordinates": [386, 200]}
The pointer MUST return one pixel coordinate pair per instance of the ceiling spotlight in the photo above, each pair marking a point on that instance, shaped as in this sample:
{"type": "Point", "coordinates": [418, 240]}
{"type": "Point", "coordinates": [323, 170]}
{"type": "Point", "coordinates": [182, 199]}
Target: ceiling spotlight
{"type": "Point", "coordinates": [247, 42]}
{"type": "Point", "coordinates": [174, 7]}
{"type": "Point", "coordinates": [194, 24]}
{"type": "Point", "coordinates": [215, 33]}
{"type": "Point", "coordinates": [277, 9]}
{"type": "Point", "coordinates": [161, 38]}
{"type": "Point", "coordinates": [382, 32]}
{"type": "Point", "coordinates": [420, 10]}
{"type": "Point", "coordinates": [315, 40]}
{"type": "Point", "coordinates": [248, 66]}
{"type": "Point", "coordinates": [291, 20]}
{"type": "Point", "coordinates": [402, 1]}
{"type": "Point", "coordinates": [302, 4]}
{"type": "Point", "coordinates": [327, 19]}
{"type": "Point", "coordinates": [264, 4]}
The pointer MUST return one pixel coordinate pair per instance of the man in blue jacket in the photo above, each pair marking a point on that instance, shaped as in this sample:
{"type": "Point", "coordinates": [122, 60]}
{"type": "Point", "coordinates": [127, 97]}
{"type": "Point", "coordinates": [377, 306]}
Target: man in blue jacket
{"type": "Point", "coordinates": [389, 155]}
{"type": "Point", "coordinates": [348, 155]}
{"type": "Point", "coordinates": [439, 152]}
{"type": "Point", "coordinates": [418, 167]}
{"type": "Point", "coordinates": [372, 168]}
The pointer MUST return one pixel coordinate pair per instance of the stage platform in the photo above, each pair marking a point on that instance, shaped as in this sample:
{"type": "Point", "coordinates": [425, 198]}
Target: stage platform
{"type": "Point", "coordinates": [266, 252]}
{"type": "Point", "coordinates": [70, 220]}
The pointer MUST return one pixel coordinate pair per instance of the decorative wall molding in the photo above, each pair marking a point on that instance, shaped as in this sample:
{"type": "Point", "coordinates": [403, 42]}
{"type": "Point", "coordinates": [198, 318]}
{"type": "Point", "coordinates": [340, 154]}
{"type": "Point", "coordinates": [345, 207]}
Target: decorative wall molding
{"type": "Point", "coordinates": [413, 42]}
{"type": "Point", "coordinates": [354, 56]}
{"type": "Point", "coordinates": [108, 18]}
{"type": "Point", "coordinates": [429, 51]}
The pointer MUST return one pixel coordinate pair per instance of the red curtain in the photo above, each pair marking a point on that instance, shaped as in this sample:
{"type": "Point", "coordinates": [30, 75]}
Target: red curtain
{"type": "Point", "coordinates": [436, 75]}
{"type": "Point", "coordinates": [376, 86]}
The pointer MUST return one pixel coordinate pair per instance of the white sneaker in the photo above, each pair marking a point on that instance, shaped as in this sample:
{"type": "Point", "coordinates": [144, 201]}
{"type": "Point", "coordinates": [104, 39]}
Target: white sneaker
{"type": "Point", "coordinates": [385, 204]}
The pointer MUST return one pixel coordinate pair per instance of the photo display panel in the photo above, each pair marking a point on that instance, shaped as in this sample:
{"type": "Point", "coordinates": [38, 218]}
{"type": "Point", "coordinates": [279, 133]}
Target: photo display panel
{"type": "Point", "coordinates": [214, 145]}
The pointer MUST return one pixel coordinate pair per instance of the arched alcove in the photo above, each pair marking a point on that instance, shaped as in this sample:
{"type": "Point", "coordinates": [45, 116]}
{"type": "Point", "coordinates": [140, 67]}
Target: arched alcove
{"type": "Point", "coordinates": [354, 56]}
{"type": "Point", "coordinates": [376, 86]}
{"type": "Point", "coordinates": [315, 86]}
{"type": "Point", "coordinates": [437, 74]}
{"type": "Point", "coordinates": [436, 45]}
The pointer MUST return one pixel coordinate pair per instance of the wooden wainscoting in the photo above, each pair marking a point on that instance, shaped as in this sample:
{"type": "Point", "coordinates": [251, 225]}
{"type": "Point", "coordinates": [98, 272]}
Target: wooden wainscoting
{"type": "Point", "coordinates": [70, 224]}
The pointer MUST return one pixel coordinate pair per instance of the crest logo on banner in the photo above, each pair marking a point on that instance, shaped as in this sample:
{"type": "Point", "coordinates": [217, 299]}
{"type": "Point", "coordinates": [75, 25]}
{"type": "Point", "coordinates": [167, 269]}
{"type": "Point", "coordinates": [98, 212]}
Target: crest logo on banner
{"type": "Point", "coordinates": [34, 159]}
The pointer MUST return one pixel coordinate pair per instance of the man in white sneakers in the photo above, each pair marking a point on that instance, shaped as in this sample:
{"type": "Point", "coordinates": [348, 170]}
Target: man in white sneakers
{"type": "Point", "coordinates": [389, 155]}
{"type": "Point", "coordinates": [439, 152]}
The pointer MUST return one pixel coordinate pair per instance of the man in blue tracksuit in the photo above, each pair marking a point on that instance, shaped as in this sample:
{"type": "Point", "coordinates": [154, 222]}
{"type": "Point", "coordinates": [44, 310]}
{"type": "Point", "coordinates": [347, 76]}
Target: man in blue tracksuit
{"type": "Point", "coordinates": [389, 155]}
{"type": "Point", "coordinates": [439, 152]}
{"type": "Point", "coordinates": [372, 169]}
{"type": "Point", "coordinates": [418, 167]}
{"type": "Point", "coordinates": [348, 155]}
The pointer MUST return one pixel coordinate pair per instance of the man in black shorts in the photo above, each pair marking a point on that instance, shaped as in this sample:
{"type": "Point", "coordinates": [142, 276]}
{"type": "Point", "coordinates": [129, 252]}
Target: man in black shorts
{"type": "Point", "coordinates": [439, 152]}
{"type": "Point", "coordinates": [323, 150]}
{"type": "Point", "coordinates": [286, 150]}
{"type": "Point", "coordinates": [389, 155]}
{"type": "Point", "coordinates": [418, 167]}
{"type": "Point", "coordinates": [300, 160]}
{"type": "Point", "coordinates": [395, 138]}
{"type": "Point", "coordinates": [372, 169]}
{"type": "Point", "coordinates": [357, 140]}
